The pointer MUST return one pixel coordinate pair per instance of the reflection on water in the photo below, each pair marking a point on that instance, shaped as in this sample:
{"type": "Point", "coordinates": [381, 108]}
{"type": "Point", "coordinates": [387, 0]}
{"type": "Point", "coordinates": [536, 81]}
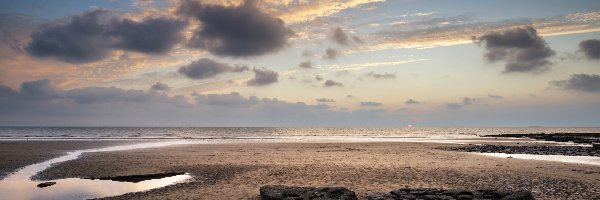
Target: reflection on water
{"type": "Point", "coordinates": [590, 160]}
{"type": "Point", "coordinates": [75, 188]}
{"type": "Point", "coordinates": [20, 186]}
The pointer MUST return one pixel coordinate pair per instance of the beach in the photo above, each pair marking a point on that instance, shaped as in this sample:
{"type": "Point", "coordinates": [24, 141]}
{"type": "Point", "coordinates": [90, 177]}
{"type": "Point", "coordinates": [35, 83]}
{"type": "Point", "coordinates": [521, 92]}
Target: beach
{"type": "Point", "coordinates": [238, 170]}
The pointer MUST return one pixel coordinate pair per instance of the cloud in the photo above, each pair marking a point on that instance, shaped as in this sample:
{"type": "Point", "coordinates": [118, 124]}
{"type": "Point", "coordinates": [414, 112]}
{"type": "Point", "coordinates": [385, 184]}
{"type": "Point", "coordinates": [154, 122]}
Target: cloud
{"type": "Point", "coordinates": [325, 100]}
{"type": "Point", "coordinates": [318, 78]}
{"type": "Point", "coordinates": [233, 99]}
{"type": "Point", "coordinates": [91, 36]}
{"type": "Point", "coordinates": [468, 101]}
{"type": "Point", "coordinates": [82, 39]}
{"type": "Point", "coordinates": [357, 39]}
{"type": "Point", "coordinates": [155, 35]}
{"type": "Point", "coordinates": [360, 66]}
{"type": "Point", "coordinates": [263, 77]}
{"type": "Point", "coordinates": [39, 89]}
{"type": "Point", "coordinates": [38, 103]}
{"type": "Point", "coordinates": [331, 83]}
{"type": "Point", "coordinates": [158, 86]}
{"type": "Point", "coordinates": [495, 96]}
{"type": "Point", "coordinates": [432, 32]}
{"type": "Point", "coordinates": [581, 82]}
{"type": "Point", "coordinates": [590, 48]}
{"type": "Point", "coordinates": [14, 30]}
{"type": "Point", "coordinates": [338, 36]}
{"type": "Point", "coordinates": [208, 68]}
{"type": "Point", "coordinates": [307, 53]}
{"type": "Point", "coordinates": [454, 105]}
{"type": "Point", "coordinates": [522, 49]}
{"type": "Point", "coordinates": [412, 102]}
{"type": "Point", "coordinates": [330, 53]}
{"type": "Point", "coordinates": [237, 31]}
{"type": "Point", "coordinates": [370, 104]}
{"type": "Point", "coordinates": [305, 64]}
{"type": "Point", "coordinates": [293, 11]}
{"type": "Point", "coordinates": [381, 76]}
{"type": "Point", "coordinates": [315, 9]}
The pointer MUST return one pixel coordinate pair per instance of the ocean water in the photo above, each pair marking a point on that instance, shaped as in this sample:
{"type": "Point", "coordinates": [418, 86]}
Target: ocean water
{"type": "Point", "coordinates": [264, 133]}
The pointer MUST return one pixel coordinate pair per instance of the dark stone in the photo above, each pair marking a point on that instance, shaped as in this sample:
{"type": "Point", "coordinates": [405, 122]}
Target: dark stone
{"type": "Point", "coordinates": [519, 195]}
{"type": "Point", "coordinates": [441, 194]}
{"type": "Point", "coordinates": [46, 184]}
{"type": "Point", "coordinates": [536, 150]}
{"type": "Point", "coordinates": [581, 138]}
{"type": "Point", "coordinates": [380, 196]}
{"type": "Point", "coordinates": [280, 192]}
{"type": "Point", "coordinates": [596, 146]}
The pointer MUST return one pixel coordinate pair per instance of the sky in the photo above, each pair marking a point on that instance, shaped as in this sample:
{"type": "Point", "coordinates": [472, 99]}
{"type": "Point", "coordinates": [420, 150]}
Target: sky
{"type": "Point", "coordinates": [300, 63]}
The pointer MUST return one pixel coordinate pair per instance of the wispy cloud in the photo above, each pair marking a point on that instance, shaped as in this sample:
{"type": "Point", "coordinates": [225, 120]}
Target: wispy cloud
{"type": "Point", "coordinates": [458, 30]}
{"type": "Point", "coordinates": [361, 66]}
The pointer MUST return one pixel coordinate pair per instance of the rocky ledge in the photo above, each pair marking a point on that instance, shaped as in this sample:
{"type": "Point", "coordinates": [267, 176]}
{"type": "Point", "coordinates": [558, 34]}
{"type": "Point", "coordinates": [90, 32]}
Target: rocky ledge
{"type": "Point", "coordinates": [536, 150]}
{"type": "Point", "coordinates": [279, 192]}
{"type": "Point", "coordinates": [580, 138]}
{"type": "Point", "coordinates": [439, 194]}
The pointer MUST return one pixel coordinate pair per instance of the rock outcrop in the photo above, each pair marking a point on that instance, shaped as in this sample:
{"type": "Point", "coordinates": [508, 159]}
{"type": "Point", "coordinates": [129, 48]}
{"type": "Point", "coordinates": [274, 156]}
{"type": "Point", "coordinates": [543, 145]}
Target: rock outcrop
{"type": "Point", "coordinates": [536, 150]}
{"type": "Point", "coordinates": [280, 192]}
{"type": "Point", "coordinates": [440, 194]}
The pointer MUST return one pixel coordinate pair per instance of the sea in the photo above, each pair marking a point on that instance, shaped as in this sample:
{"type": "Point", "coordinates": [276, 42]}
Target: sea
{"type": "Point", "coordinates": [266, 132]}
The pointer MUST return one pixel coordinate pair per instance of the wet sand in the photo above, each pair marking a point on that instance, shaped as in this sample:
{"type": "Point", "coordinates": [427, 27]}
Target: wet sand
{"type": "Point", "coordinates": [237, 171]}
{"type": "Point", "coordinates": [18, 154]}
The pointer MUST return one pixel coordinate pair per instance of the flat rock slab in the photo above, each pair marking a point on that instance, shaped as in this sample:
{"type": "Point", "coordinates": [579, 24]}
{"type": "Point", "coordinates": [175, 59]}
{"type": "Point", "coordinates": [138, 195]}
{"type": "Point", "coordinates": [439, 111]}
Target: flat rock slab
{"type": "Point", "coordinates": [536, 150]}
{"type": "Point", "coordinates": [280, 192]}
{"type": "Point", "coordinates": [581, 138]}
{"type": "Point", "coordinates": [441, 194]}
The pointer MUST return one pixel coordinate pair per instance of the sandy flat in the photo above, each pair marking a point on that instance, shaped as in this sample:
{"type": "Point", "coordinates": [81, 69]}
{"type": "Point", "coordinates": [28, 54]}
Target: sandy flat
{"type": "Point", "coordinates": [236, 171]}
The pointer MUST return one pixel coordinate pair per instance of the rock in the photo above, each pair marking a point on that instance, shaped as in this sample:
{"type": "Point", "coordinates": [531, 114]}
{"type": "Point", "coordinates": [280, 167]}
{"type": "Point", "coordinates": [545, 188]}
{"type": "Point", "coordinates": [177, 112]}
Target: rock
{"type": "Point", "coordinates": [581, 138]}
{"type": "Point", "coordinates": [46, 184]}
{"type": "Point", "coordinates": [380, 196]}
{"type": "Point", "coordinates": [441, 194]}
{"type": "Point", "coordinates": [596, 146]}
{"type": "Point", "coordinates": [280, 192]}
{"type": "Point", "coordinates": [519, 195]}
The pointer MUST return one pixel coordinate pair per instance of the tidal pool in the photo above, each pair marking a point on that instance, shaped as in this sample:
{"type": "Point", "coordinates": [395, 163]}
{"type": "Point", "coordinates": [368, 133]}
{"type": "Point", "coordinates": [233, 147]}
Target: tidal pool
{"type": "Point", "coordinates": [20, 186]}
{"type": "Point", "coordinates": [589, 160]}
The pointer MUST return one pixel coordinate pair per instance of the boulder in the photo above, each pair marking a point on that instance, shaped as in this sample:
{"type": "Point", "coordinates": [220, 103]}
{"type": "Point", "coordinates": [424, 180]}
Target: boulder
{"type": "Point", "coordinates": [280, 192]}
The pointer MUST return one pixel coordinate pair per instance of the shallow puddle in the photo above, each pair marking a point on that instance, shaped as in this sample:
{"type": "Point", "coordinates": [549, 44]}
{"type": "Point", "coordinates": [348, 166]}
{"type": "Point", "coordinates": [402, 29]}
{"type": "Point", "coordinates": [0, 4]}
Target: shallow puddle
{"type": "Point", "coordinates": [20, 186]}
{"type": "Point", "coordinates": [589, 160]}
